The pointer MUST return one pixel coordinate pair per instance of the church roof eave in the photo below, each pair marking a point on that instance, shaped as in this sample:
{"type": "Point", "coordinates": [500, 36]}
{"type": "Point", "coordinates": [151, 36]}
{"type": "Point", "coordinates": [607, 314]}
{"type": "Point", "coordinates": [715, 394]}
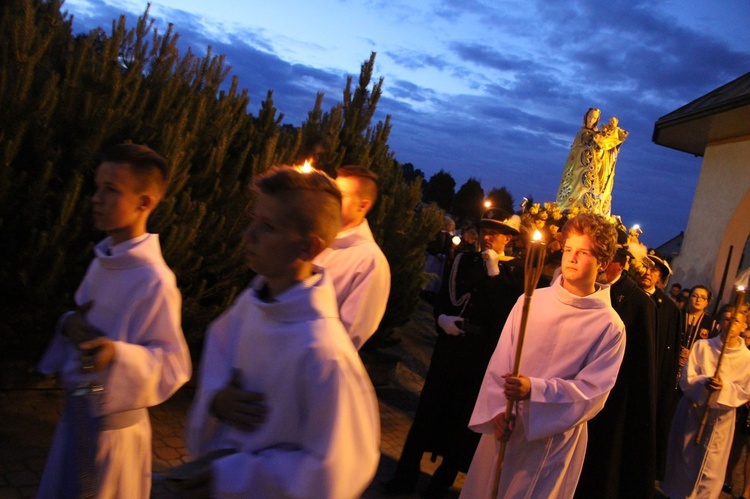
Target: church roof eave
{"type": "Point", "coordinates": [720, 115]}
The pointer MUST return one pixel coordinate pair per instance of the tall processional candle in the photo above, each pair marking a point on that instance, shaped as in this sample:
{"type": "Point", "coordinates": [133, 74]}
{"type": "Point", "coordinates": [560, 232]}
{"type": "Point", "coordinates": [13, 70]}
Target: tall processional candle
{"type": "Point", "coordinates": [739, 301]}
{"type": "Point", "coordinates": [534, 263]}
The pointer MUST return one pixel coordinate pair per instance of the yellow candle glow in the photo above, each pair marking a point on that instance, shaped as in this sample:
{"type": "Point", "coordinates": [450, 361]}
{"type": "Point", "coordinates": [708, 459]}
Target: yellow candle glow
{"type": "Point", "coordinates": [537, 236]}
{"type": "Point", "coordinates": [306, 168]}
{"type": "Point", "coordinates": [456, 240]}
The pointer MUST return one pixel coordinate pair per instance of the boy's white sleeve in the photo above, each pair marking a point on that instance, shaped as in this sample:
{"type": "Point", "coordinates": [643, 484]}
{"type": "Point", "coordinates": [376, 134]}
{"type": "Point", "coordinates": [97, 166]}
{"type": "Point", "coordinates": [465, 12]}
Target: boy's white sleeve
{"type": "Point", "coordinates": [58, 351]}
{"type": "Point", "coordinates": [154, 362]}
{"type": "Point", "coordinates": [557, 405]}
{"type": "Point", "coordinates": [491, 400]}
{"type": "Point", "coordinates": [365, 303]}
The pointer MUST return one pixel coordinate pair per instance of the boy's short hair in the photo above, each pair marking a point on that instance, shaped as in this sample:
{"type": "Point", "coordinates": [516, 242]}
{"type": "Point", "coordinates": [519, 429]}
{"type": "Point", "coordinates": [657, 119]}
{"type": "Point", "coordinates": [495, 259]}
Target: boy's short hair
{"type": "Point", "coordinates": [727, 308]}
{"type": "Point", "coordinates": [368, 182]}
{"type": "Point", "coordinates": [146, 164]}
{"type": "Point", "coordinates": [601, 231]}
{"type": "Point", "coordinates": [312, 200]}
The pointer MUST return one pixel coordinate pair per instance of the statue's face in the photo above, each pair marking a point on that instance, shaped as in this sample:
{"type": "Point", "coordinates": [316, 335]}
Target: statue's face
{"type": "Point", "coordinates": [592, 118]}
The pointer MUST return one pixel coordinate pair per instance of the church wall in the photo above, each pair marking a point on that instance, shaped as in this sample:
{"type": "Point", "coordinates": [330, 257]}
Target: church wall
{"type": "Point", "coordinates": [719, 218]}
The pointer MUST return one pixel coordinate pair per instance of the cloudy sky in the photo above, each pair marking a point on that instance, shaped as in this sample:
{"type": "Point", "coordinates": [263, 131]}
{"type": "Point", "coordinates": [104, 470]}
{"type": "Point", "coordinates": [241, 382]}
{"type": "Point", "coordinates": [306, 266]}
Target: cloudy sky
{"type": "Point", "coordinates": [490, 89]}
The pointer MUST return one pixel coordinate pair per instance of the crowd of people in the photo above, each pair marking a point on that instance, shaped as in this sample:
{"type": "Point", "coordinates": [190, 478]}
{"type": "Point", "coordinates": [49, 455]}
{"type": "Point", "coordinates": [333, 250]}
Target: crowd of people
{"type": "Point", "coordinates": [631, 441]}
{"type": "Point", "coordinates": [601, 386]}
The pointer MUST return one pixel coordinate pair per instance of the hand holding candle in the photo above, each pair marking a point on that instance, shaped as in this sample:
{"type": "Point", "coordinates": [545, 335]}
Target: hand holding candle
{"type": "Point", "coordinates": [533, 266]}
{"type": "Point", "coordinates": [714, 384]}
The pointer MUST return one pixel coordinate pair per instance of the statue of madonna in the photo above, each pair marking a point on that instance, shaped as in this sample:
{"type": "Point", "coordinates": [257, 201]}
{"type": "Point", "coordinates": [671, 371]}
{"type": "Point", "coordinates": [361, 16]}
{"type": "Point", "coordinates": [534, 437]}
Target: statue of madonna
{"type": "Point", "coordinates": [589, 171]}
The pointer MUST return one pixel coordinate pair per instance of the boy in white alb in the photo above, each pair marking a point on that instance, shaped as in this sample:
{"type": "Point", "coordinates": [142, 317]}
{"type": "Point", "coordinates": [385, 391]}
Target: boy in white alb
{"type": "Point", "coordinates": [697, 469]}
{"type": "Point", "coordinates": [125, 339]}
{"type": "Point", "coordinates": [355, 263]}
{"type": "Point", "coordinates": [281, 383]}
{"type": "Point", "coordinates": [571, 354]}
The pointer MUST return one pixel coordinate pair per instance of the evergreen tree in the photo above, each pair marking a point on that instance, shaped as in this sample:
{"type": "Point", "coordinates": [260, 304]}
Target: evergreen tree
{"type": "Point", "coordinates": [469, 202]}
{"type": "Point", "coordinates": [410, 173]}
{"type": "Point", "coordinates": [440, 190]}
{"type": "Point", "coordinates": [501, 198]}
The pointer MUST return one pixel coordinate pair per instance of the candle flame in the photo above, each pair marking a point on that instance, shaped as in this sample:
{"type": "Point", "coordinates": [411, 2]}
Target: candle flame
{"type": "Point", "coordinates": [305, 168]}
{"type": "Point", "coordinates": [740, 288]}
{"type": "Point", "coordinates": [456, 240]}
{"type": "Point", "coordinates": [537, 236]}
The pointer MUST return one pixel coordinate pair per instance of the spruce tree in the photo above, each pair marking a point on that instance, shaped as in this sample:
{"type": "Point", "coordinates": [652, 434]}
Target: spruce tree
{"type": "Point", "coordinates": [468, 204]}
{"type": "Point", "coordinates": [501, 198]}
{"type": "Point", "coordinates": [440, 190]}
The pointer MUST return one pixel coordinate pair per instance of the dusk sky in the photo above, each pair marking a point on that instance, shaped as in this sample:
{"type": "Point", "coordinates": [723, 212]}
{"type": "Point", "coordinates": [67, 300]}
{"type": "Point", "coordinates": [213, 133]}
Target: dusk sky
{"type": "Point", "coordinates": [494, 90]}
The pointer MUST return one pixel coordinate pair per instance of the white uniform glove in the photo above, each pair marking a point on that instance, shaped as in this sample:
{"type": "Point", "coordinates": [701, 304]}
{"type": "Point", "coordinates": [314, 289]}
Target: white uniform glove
{"type": "Point", "coordinates": [448, 323]}
{"type": "Point", "coordinates": [491, 259]}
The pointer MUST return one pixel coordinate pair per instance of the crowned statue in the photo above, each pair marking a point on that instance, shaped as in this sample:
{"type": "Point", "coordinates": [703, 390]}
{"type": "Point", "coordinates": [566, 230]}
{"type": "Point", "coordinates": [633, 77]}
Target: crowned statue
{"type": "Point", "coordinates": [589, 171]}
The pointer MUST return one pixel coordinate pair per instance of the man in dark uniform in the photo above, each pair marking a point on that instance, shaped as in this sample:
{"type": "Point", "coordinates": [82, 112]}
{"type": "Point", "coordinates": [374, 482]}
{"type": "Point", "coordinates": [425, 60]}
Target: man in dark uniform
{"type": "Point", "coordinates": [471, 309]}
{"type": "Point", "coordinates": [667, 350]}
{"type": "Point", "coordinates": [621, 453]}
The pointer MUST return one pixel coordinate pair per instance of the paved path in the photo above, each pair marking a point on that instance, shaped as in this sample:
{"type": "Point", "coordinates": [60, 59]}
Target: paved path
{"type": "Point", "coordinates": [30, 407]}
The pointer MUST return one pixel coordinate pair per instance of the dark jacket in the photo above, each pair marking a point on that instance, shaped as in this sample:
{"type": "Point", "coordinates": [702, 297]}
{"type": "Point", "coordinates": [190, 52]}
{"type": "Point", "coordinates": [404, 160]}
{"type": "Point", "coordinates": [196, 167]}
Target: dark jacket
{"type": "Point", "coordinates": [621, 452]}
{"type": "Point", "coordinates": [668, 337]}
{"type": "Point", "coordinates": [458, 362]}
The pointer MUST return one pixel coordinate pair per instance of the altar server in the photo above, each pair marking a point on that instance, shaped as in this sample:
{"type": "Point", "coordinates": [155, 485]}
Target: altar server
{"type": "Point", "coordinates": [282, 390]}
{"type": "Point", "coordinates": [571, 354]}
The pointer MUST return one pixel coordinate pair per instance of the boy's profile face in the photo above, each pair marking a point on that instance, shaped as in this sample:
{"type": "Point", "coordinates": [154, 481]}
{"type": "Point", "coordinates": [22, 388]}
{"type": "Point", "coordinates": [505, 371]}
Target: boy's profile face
{"type": "Point", "coordinates": [273, 242]}
{"type": "Point", "coordinates": [350, 200]}
{"type": "Point", "coordinates": [734, 324]}
{"type": "Point", "coordinates": [579, 263]}
{"type": "Point", "coordinates": [118, 205]}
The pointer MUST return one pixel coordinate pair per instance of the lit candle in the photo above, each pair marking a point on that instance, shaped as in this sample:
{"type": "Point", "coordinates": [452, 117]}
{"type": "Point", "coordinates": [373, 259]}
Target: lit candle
{"type": "Point", "coordinates": [305, 168]}
{"type": "Point", "coordinates": [535, 252]}
{"type": "Point", "coordinates": [739, 299]}
{"type": "Point", "coordinates": [456, 240]}
{"type": "Point", "coordinates": [532, 272]}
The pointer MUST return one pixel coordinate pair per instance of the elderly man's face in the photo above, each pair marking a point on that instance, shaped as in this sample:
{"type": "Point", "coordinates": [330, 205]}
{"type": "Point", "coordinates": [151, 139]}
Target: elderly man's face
{"type": "Point", "coordinates": [651, 278]}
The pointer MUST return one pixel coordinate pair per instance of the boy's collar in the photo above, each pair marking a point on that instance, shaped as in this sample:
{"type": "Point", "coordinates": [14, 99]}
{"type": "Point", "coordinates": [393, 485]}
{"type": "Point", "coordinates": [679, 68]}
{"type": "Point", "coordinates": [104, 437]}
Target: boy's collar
{"type": "Point", "coordinates": [123, 247]}
{"type": "Point", "coordinates": [264, 293]}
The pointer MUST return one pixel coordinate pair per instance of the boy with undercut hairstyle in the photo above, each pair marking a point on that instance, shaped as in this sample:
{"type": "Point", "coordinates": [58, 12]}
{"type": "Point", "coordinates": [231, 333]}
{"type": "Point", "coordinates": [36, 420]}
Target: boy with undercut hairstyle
{"type": "Point", "coordinates": [122, 350]}
{"type": "Point", "coordinates": [281, 385]}
{"type": "Point", "coordinates": [355, 263]}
